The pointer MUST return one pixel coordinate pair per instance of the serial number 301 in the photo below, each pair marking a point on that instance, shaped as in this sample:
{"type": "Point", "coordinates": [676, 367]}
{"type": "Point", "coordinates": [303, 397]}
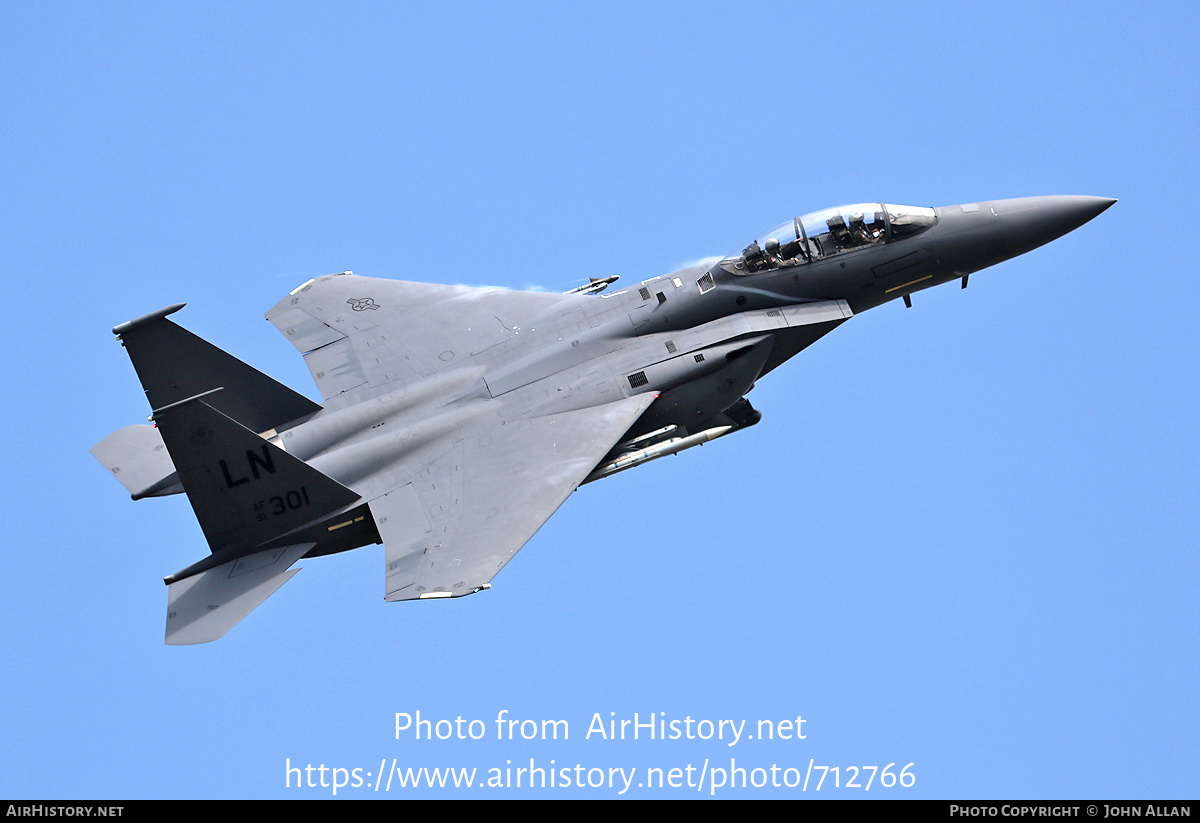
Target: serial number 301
{"type": "Point", "coordinates": [280, 504]}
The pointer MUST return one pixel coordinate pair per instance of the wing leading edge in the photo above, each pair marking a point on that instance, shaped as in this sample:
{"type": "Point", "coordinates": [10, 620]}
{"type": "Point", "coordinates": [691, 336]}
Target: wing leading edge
{"type": "Point", "coordinates": [364, 331]}
{"type": "Point", "coordinates": [457, 522]}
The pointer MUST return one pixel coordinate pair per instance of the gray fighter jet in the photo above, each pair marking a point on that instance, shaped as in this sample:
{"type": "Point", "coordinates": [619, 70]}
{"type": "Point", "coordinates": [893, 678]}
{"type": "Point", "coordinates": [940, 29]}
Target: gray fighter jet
{"type": "Point", "coordinates": [456, 420]}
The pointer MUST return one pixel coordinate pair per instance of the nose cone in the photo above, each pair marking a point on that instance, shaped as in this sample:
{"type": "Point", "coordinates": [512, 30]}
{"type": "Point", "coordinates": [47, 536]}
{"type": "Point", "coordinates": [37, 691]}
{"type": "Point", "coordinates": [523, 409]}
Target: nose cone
{"type": "Point", "coordinates": [1029, 222]}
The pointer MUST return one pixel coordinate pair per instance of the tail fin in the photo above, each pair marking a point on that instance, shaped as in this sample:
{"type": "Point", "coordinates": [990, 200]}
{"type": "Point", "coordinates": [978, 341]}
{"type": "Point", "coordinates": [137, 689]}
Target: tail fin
{"type": "Point", "coordinates": [174, 364]}
{"type": "Point", "coordinates": [245, 490]}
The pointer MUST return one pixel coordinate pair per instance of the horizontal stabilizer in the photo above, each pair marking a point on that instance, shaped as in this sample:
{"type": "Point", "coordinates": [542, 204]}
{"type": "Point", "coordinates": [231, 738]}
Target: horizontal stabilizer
{"type": "Point", "coordinates": [203, 607]}
{"type": "Point", "coordinates": [138, 458]}
{"type": "Point", "coordinates": [245, 490]}
{"type": "Point", "coordinates": [174, 364]}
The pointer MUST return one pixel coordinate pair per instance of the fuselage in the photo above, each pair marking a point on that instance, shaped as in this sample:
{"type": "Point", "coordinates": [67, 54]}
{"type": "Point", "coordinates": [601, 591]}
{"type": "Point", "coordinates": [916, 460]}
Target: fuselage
{"type": "Point", "coordinates": [698, 338]}
{"type": "Point", "coordinates": [441, 387]}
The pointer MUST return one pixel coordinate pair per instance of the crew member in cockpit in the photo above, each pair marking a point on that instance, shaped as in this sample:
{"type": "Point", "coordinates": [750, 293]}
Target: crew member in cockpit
{"type": "Point", "coordinates": [860, 235]}
{"type": "Point", "coordinates": [774, 257]}
{"type": "Point", "coordinates": [837, 228]}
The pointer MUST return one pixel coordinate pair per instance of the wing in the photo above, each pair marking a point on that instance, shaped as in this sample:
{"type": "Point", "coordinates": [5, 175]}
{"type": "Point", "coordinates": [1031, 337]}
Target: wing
{"type": "Point", "coordinates": [356, 331]}
{"type": "Point", "coordinates": [460, 519]}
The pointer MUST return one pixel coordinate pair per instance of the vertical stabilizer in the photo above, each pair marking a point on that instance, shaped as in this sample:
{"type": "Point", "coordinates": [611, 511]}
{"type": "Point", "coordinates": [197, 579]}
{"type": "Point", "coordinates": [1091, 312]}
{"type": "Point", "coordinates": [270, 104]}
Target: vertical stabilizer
{"type": "Point", "coordinates": [174, 364]}
{"type": "Point", "coordinates": [244, 489]}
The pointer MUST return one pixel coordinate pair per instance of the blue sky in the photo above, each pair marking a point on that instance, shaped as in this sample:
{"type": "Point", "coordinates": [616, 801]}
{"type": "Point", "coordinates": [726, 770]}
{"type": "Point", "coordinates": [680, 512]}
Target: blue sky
{"type": "Point", "coordinates": [963, 536]}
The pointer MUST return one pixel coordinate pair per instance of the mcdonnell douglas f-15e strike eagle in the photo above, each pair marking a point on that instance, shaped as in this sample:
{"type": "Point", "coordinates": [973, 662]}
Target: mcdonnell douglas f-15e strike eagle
{"type": "Point", "coordinates": [456, 420]}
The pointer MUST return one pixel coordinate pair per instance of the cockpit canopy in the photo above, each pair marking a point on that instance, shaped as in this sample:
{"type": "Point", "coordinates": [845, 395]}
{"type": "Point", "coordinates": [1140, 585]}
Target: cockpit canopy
{"type": "Point", "coordinates": [832, 231]}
